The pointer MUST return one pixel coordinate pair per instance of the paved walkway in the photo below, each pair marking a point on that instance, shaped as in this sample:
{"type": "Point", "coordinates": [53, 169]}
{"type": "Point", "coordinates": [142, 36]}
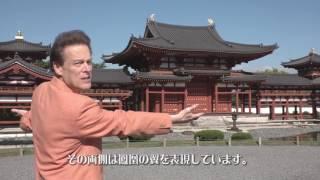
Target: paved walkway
{"type": "Point", "coordinates": [263, 163]}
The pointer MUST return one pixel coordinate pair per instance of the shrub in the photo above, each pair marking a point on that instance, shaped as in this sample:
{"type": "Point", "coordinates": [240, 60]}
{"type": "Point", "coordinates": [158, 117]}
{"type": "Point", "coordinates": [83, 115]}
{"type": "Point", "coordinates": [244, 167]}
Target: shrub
{"type": "Point", "coordinates": [207, 135]}
{"type": "Point", "coordinates": [305, 112]}
{"type": "Point", "coordinates": [241, 135]}
{"type": "Point", "coordinates": [137, 138]}
{"type": "Point", "coordinates": [187, 133]}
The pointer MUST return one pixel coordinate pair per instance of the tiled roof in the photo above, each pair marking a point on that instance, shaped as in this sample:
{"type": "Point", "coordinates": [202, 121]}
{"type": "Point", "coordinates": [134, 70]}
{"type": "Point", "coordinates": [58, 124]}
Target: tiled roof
{"type": "Point", "coordinates": [311, 59]}
{"type": "Point", "coordinates": [19, 45]}
{"type": "Point", "coordinates": [112, 76]}
{"type": "Point", "coordinates": [21, 62]}
{"type": "Point", "coordinates": [162, 38]}
{"type": "Point", "coordinates": [195, 38]}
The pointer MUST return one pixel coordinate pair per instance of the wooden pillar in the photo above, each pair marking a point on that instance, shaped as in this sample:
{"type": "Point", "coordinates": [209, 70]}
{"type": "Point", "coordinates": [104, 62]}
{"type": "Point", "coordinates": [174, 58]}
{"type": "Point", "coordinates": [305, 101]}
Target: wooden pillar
{"type": "Point", "coordinates": [209, 96]}
{"type": "Point", "coordinates": [237, 98]}
{"type": "Point", "coordinates": [120, 104]}
{"type": "Point", "coordinates": [287, 108]}
{"type": "Point", "coordinates": [258, 102]}
{"type": "Point", "coordinates": [162, 99]}
{"type": "Point", "coordinates": [243, 108]}
{"type": "Point", "coordinates": [300, 108]}
{"type": "Point", "coordinates": [216, 93]}
{"type": "Point", "coordinates": [249, 100]}
{"type": "Point", "coordinates": [100, 102]}
{"type": "Point", "coordinates": [283, 112]}
{"type": "Point", "coordinates": [142, 104]}
{"type": "Point", "coordinates": [295, 111]}
{"type": "Point", "coordinates": [314, 106]}
{"type": "Point", "coordinates": [185, 97]}
{"type": "Point", "coordinates": [273, 108]}
{"type": "Point", "coordinates": [147, 99]}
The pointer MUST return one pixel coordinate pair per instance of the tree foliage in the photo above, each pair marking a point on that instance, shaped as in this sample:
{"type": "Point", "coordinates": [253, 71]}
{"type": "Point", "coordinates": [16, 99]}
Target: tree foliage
{"type": "Point", "coordinates": [273, 70]}
{"type": "Point", "coordinates": [46, 64]}
{"type": "Point", "coordinates": [101, 65]}
{"type": "Point", "coordinates": [42, 63]}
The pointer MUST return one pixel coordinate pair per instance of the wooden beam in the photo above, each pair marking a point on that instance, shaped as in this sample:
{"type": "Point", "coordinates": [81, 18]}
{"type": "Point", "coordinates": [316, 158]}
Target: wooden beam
{"type": "Point", "coordinates": [159, 92]}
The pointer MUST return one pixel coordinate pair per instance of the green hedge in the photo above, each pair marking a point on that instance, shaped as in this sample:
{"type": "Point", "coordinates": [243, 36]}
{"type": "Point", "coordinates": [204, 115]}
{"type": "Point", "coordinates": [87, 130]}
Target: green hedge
{"type": "Point", "coordinates": [207, 135]}
{"type": "Point", "coordinates": [241, 135]}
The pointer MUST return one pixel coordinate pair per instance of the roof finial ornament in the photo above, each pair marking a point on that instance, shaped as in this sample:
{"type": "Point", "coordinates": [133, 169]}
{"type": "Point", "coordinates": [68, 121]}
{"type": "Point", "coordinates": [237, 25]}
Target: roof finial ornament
{"type": "Point", "coordinates": [19, 35]}
{"type": "Point", "coordinates": [152, 17]}
{"type": "Point", "coordinates": [16, 56]}
{"type": "Point", "coordinates": [210, 22]}
{"type": "Point", "coordinates": [312, 51]}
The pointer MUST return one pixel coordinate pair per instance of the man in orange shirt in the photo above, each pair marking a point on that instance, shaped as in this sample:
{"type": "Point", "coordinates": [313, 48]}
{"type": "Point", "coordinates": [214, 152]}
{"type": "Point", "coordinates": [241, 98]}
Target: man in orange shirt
{"type": "Point", "coordinates": [64, 122]}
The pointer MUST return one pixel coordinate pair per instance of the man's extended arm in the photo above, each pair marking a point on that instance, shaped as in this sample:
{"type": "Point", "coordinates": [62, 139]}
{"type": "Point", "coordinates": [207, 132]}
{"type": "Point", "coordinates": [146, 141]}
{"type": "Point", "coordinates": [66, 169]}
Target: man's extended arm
{"type": "Point", "coordinates": [96, 122]}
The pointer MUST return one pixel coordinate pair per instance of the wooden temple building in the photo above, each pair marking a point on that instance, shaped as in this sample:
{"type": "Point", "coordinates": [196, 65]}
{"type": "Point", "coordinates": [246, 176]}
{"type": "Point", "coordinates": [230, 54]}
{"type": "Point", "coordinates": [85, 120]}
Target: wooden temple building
{"type": "Point", "coordinates": [175, 66]}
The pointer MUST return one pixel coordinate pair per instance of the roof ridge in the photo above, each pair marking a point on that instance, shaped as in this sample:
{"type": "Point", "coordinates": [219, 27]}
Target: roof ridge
{"type": "Point", "coordinates": [26, 42]}
{"type": "Point", "coordinates": [179, 25]}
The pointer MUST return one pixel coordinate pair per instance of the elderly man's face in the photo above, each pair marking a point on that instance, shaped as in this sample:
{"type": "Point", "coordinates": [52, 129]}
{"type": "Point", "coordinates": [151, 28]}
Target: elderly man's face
{"type": "Point", "coordinates": [76, 70]}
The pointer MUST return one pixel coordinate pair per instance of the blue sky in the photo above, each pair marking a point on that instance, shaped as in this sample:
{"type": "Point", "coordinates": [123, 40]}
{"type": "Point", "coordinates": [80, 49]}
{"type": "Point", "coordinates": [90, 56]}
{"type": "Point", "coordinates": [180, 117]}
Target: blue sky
{"type": "Point", "coordinates": [294, 25]}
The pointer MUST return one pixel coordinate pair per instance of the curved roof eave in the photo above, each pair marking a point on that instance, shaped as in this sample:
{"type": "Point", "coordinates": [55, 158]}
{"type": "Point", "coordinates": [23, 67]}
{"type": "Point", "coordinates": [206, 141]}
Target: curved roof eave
{"type": "Point", "coordinates": [117, 55]}
{"type": "Point", "coordinates": [302, 61]}
{"type": "Point", "coordinates": [40, 71]}
{"type": "Point", "coordinates": [268, 49]}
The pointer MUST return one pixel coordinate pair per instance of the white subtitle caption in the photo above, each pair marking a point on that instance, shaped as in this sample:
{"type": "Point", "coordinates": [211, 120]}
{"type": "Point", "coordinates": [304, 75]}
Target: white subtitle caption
{"type": "Point", "coordinates": [157, 159]}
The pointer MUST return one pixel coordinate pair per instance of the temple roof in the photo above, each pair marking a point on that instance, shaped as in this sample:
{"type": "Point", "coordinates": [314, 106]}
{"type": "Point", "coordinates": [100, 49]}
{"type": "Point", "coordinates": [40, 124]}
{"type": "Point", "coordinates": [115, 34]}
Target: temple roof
{"type": "Point", "coordinates": [271, 80]}
{"type": "Point", "coordinates": [108, 76]}
{"type": "Point", "coordinates": [311, 59]}
{"type": "Point", "coordinates": [24, 48]}
{"type": "Point", "coordinates": [112, 76]}
{"type": "Point", "coordinates": [33, 68]}
{"type": "Point", "coordinates": [196, 39]}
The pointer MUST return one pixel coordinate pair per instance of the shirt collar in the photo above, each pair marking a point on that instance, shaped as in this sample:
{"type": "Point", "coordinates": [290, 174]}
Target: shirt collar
{"type": "Point", "coordinates": [61, 85]}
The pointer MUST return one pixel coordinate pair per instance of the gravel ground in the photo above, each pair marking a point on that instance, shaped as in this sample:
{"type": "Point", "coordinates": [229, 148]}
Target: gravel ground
{"type": "Point", "coordinates": [263, 163]}
{"type": "Point", "coordinates": [282, 132]}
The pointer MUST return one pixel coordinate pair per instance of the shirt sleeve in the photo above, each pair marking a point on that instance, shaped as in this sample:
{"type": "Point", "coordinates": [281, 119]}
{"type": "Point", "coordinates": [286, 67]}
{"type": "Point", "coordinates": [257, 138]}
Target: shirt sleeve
{"type": "Point", "coordinates": [93, 121]}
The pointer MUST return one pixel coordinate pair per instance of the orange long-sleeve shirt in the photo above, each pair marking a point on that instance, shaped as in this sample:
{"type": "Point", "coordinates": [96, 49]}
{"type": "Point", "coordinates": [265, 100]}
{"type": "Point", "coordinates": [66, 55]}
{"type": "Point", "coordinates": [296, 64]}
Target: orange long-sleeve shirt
{"type": "Point", "coordinates": [67, 123]}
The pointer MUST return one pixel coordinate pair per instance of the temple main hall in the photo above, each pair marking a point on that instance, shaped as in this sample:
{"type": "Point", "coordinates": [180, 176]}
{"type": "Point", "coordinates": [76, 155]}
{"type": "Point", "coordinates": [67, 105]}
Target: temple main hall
{"type": "Point", "coordinates": [174, 66]}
